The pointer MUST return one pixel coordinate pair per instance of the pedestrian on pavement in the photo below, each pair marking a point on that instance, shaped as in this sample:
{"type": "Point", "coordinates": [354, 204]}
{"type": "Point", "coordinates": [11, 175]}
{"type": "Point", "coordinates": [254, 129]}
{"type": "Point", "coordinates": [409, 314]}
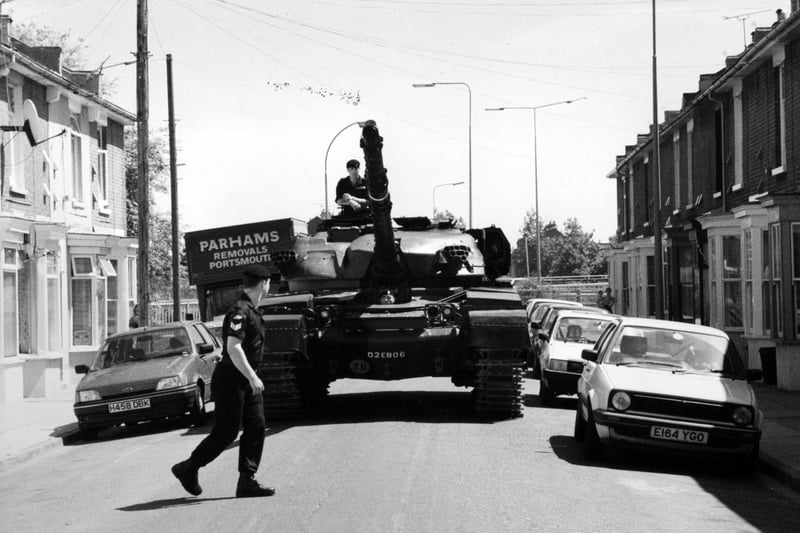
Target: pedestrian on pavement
{"type": "Point", "coordinates": [237, 391]}
{"type": "Point", "coordinates": [134, 321]}
{"type": "Point", "coordinates": [609, 301]}
{"type": "Point", "coordinates": [351, 191]}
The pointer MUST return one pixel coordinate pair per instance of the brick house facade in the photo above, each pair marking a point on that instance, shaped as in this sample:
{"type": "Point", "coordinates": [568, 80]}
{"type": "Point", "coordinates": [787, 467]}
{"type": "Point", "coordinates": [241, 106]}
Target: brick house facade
{"type": "Point", "coordinates": [728, 205]}
{"type": "Point", "coordinates": [68, 267]}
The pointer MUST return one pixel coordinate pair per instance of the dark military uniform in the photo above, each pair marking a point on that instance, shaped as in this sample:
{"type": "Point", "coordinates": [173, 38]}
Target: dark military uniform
{"type": "Point", "coordinates": [235, 402]}
{"type": "Point", "coordinates": [358, 190]}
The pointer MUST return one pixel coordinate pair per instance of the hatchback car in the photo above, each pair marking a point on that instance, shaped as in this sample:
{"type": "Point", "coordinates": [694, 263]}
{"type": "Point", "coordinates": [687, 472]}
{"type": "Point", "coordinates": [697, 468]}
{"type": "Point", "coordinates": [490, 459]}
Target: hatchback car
{"type": "Point", "coordinates": [665, 384]}
{"type": "Point", "coordinates": [559, 364]}
{"type": "Point", "coordinates": [147, 373]}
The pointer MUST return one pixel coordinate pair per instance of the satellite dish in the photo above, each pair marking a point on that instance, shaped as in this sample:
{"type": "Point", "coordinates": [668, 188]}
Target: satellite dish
{"type": "Point", "coordinates": [31, 125]}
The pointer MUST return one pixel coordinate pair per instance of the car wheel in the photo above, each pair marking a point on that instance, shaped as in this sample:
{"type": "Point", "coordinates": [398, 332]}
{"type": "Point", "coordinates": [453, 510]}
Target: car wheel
{"type": "Point", "coordinates": [749, 462]}
{"type": "Point", "coordinates": [198, 411]}
{"type": "Point", "coordinates": [537, 371]}
{"type": "Point", "coordinates": [592, 447]}
{"type": "Point", "coordinates": [89, 434]}
{"type": "Point", "coordinates": [546, 394]}
{"type": "Point", "coordinates": [580, 425]}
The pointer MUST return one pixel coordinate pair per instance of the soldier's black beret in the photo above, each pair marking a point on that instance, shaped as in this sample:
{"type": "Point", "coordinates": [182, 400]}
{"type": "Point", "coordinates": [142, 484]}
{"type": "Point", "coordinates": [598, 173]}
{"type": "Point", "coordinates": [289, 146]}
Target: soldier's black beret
{"type": "Point", "coordinates": [255, 273]}
{"type": "Point", "coordinates": [353, 163]}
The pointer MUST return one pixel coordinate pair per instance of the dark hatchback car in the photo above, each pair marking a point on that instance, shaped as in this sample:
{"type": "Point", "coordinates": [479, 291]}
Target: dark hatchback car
{"type": "Point", "coordinates": [147, 373]}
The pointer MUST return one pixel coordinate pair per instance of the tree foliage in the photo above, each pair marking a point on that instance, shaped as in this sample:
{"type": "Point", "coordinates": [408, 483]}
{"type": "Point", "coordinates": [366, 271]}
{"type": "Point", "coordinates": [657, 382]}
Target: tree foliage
{"type": "Point", "coordinates": [160, 267]}
{"type": "Point", "coordinates": [568, 251]}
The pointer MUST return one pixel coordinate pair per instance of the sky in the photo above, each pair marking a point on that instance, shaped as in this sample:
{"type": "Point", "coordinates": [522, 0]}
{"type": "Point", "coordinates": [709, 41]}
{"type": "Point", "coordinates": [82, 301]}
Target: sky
{"type": "Point", "coordinates": [263, 90]}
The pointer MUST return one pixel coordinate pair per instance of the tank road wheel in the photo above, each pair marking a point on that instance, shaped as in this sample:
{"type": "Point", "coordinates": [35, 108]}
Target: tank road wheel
{"type": "Point", "coordinates": [498, 386]}
{"type": "Point", "coordinates": [282, 399]}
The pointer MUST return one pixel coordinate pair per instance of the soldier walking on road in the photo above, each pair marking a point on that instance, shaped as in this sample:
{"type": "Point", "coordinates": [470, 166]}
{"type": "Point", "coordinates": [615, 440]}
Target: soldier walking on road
{"type": "Point", "coordinates": [237, 391]}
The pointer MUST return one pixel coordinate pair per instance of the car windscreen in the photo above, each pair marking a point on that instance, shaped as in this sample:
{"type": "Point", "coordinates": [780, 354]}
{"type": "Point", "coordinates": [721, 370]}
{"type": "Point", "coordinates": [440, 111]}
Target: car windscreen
{"type": "Point", "coordinates": [675, 350]}
{"type": "Point", "coordinates": [142, 346]}
{"type": "Point", "coordinates": [579, 329]}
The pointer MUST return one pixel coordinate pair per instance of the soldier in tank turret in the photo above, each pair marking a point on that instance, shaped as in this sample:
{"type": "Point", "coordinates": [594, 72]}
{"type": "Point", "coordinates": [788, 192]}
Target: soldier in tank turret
{"type": "Point", "coordinates": [351, 191]}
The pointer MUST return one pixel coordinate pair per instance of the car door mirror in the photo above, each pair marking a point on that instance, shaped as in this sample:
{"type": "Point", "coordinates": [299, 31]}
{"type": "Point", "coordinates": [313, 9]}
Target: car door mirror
{"type": "Point", "coordinates": [81, 369]}
{"type": "Point", "coordinates": [535, 325]}
{"type": "Point", "coordinates": [589, 355]}
{"type": "Point", "coordinates": [754, 374]}
{"type": "Point", "coordinates": [544, 337]}
{"type": "Point", "coordinates": [205, 348]}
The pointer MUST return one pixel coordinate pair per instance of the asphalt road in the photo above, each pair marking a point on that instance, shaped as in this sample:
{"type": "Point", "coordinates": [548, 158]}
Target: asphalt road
{"type": "Point", "coordinates": [397, 456]}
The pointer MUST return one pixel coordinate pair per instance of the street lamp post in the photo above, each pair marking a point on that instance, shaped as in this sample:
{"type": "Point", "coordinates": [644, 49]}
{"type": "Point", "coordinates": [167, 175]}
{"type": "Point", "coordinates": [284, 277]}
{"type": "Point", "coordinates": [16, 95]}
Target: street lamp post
{"type": "Point", "coordinates": [536, 175]}
{"type": "Point", "coordinates": [442, 185]}
{"type": "Point", "coordinates": [469, 90]}
{"type": "Point", "coordinates": [360, 125]}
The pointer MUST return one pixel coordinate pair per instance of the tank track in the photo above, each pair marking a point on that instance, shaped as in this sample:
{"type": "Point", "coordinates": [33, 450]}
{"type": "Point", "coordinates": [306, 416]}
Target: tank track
{"type": "Point", "coordinates": [282, 400]}
{"type": "Point", "coordinates": [498, 386]}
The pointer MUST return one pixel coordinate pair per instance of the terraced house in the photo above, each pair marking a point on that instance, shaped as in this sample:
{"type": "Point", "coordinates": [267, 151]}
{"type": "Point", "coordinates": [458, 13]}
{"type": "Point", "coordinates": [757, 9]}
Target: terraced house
{"type": "Point", "coordinates": [68, 268]}
{"type": "Point", "coordinates": [728, 204]}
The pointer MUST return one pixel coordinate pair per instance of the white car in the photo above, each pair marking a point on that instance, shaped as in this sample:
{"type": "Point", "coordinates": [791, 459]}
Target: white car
{"type": "Point", "coordinates": [665, 384]}
{"type": "Point", "coordinates": [559, 363]}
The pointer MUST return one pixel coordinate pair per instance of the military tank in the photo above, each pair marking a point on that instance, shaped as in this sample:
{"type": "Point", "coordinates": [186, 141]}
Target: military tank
{"type": "Point", "coordinates": [381, 298]}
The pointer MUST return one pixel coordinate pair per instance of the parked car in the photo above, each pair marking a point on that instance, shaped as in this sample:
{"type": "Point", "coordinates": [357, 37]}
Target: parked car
{"type": "Point", "coordinates": [559, 364]}
{"type": "Point", "coordinates": [537, 311]}
{"type": "Point", "coordinates": [657, 383]}
{"type": "Point", "coordinates": [147, 373]}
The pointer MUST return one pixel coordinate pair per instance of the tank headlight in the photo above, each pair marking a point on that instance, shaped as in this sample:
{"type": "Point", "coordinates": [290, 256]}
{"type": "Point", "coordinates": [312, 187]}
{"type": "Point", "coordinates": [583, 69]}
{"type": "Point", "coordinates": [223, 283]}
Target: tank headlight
{"type": "Point", "coordinates": [431, 312]}
{"type": "Point", "coordinates": [742, 415]}
{"type": "Point", "coordinates": [447, 312]}
{"type": "Point", "coordinates": [621, 401]}
{"type": "Point", "coordinates": [387, 298]}
{"type": "Point", "coordinates": [325, 315]}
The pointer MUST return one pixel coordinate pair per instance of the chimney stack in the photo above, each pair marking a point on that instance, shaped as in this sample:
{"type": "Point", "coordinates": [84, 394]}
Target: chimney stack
{"type": "Point", "coordinates": [5, 30]}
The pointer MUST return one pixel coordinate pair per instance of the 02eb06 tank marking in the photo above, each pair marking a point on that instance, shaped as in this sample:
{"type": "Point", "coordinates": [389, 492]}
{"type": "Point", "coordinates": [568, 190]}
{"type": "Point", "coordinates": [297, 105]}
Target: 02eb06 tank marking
{"type": "Point", "coordinates": [386, 355]}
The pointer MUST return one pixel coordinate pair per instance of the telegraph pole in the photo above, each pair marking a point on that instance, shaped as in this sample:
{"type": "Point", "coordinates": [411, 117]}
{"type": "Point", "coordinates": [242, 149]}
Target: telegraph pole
{"type": "Point", "coordinates": [658, 269]}
{"type": "Point", "coordinates": [142, 125]}
{"type": "Point", "coordinates": [173, 179]}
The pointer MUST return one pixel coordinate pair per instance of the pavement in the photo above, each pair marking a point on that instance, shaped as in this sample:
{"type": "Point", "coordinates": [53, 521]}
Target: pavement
{"type": "Point", "coordinates": [36, 425]}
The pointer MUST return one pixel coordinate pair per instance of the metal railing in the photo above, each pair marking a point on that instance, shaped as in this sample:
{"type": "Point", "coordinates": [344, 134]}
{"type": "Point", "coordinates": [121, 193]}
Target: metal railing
{"type": "Point", "coordinates": [582, 289]}
{"type": "Point", "coordinates": [161, 312]}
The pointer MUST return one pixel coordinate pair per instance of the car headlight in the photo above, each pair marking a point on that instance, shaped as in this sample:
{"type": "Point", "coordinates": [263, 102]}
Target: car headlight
{"type": "Point", "coordinates": [742, 415]}
{"type": "Point", "coordinates": [86, 396]}
{"type": "Point", "coordinates": [169, 383]}
{"type": "Point", "coordinates": [621, 401]}
{"type": "Point", "coordinates": [558, 364]}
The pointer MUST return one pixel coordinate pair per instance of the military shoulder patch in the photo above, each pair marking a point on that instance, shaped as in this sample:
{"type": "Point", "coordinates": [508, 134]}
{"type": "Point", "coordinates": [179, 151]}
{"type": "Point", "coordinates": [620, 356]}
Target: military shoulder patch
{"type": "Point", "coordinates": [236, 322]}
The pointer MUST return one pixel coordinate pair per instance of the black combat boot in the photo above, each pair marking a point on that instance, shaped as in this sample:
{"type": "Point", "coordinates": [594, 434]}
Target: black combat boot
{"type": "Point", "coordinates": [187, 475]}
{"type": "Point", "coordinates": [248, 487]}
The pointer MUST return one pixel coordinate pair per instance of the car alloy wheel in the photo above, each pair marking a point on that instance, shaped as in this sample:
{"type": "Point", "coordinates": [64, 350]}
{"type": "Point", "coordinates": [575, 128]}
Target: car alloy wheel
{"type": "Point", "coordinates": [198, 411]}
{"type": "Point", "coordinates": [580, 425]}
{"type": "Point", "coordinates": [592, 447]}
{"type": "Point", "coordinates": [545, 393]}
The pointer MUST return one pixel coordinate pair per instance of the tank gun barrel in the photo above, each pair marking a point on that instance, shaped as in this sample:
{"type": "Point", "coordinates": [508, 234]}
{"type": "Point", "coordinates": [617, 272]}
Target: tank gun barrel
{"type": "Point", "coordinates": [386, 260]}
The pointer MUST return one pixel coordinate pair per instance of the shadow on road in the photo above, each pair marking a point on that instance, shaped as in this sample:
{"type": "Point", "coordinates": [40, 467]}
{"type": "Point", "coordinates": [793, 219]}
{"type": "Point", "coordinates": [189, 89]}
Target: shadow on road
{"type": "Point", "coordinates": [381, 406]}
{"type": "Point", "coordinates": [171, 502]}
{"type": "Point", "coordinates": [716, 475]}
